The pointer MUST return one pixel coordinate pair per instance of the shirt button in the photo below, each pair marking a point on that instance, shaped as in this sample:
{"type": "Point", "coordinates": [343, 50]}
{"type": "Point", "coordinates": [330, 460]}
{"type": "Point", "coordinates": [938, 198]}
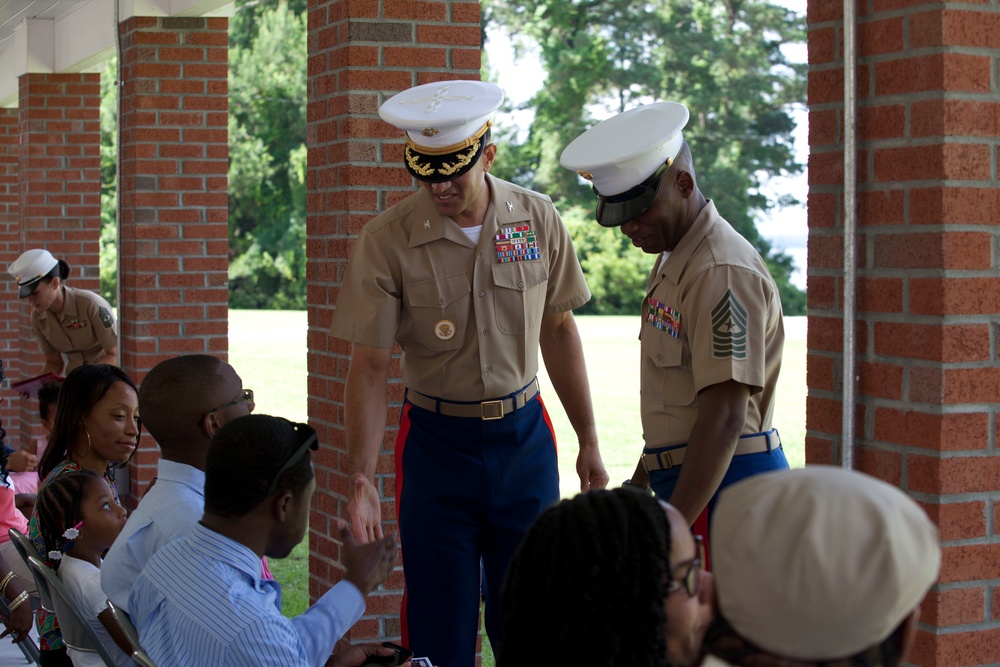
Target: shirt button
{"type": "Point", "coordinates": [659, 357]}
{"type": "Point", "coordinates": [486, 332]}
{"type": "Point", "coordinates": [440, 302]}
{"type": "Point", "coordinates": [482, 292]}
{"type": "Point", "coordinates": [520, 284]}
{"type": "Point", "coordinates": [489, 369]}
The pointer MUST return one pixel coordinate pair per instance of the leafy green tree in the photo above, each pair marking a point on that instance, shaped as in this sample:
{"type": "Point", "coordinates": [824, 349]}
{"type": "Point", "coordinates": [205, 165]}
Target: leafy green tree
{"type": "Point", "coordinates": [267, 132]}
{"type": "Point", "coordinates": [109, 191]}
{"type": "Point", "coordinates": [722, 59]}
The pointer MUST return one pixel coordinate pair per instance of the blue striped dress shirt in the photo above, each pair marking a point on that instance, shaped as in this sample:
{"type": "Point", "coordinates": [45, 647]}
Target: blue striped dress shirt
{"type": "Point", "coordinates": [200, 601]}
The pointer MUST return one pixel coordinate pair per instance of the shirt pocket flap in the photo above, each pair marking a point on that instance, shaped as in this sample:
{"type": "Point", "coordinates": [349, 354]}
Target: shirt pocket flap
{"type": "Point", "coordinates": [519, 276]}
{"type": "Point", "coordinates": [438, 293]}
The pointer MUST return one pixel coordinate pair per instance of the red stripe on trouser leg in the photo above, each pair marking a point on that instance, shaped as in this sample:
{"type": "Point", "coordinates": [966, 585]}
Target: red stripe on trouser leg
{"type": "Point", "coordinates": [404, 429]}
{"type": "Point", "coordinates": [700, 527]}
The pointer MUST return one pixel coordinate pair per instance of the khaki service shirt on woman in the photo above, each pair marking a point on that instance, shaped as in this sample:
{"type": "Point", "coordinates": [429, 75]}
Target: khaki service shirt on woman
{"type": "Point", "coordinates": [468, 322]}
{"type": "Point", "coordinates": [81, 333]}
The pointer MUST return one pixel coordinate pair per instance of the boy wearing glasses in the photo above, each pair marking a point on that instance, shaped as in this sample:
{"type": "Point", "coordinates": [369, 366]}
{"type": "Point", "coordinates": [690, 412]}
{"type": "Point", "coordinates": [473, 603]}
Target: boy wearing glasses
{"type": "Point", "coordinates": [712, 331]}
{"type": "Point", "coordinates": [184, 401]}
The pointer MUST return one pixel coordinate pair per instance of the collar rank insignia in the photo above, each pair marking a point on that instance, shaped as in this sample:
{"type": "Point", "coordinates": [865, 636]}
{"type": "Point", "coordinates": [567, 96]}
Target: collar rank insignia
{"type": "Point", "coordinates": [517, 244]}
{"type": "Point", "coordinates": [663, 317]}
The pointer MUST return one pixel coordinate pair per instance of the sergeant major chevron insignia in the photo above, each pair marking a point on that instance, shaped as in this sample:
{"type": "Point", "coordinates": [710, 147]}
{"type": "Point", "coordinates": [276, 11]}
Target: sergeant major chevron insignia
{"type": "Point", "coordinates": [729, 328]}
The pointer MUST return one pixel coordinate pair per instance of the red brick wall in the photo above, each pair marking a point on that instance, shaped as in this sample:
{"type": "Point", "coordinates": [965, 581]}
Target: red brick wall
{"type": "Point", "coordinates": [60, 190]}
{"type": "Point", "coordinates": [928, 292]}
{"type": "Point", "coordinates": [10, 246]}
{"type": "Point", "coordinates": [174, 234]}
{"type": "Point", "coordinates": [361, 53]}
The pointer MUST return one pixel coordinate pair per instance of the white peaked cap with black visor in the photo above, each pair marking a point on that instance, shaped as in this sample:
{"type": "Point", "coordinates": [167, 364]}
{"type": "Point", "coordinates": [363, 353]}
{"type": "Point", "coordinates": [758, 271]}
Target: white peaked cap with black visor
{"type": "Point", "coordinates": [625, 156]}
{"type": "Point", "coordinates": [445, 123]}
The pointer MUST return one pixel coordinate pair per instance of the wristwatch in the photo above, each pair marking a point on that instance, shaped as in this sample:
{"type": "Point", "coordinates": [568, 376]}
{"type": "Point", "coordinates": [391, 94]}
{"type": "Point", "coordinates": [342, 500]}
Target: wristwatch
{"type": "Point", "coordinates": [628, 483]}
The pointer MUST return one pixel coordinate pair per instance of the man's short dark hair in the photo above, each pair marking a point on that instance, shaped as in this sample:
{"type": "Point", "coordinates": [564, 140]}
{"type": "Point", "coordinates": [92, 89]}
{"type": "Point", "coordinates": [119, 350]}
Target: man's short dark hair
{"type": "Point", "coordinates": [242, 460]}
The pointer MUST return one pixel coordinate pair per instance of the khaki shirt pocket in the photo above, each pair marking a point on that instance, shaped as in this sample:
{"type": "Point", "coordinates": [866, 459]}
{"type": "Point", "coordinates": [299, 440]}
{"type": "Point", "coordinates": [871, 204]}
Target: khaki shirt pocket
{"type": "Point", "coordinates": [663, 358]}
{"type": "Point", "coordinates": [439, 311]}
{"type": "Point", "coordinates": [519, 295]}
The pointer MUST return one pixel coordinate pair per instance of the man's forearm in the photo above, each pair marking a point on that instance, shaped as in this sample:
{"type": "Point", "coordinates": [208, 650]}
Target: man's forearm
{"type": "Point", "coordinates": [366, 406]}
{"type": "Point", "coordinates": [562, 351]}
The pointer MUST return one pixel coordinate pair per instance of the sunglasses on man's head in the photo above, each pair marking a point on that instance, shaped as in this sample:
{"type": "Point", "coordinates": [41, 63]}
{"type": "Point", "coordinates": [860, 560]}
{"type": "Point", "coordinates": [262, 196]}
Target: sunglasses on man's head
{"type": "Point", "coordinates": [306, 439]}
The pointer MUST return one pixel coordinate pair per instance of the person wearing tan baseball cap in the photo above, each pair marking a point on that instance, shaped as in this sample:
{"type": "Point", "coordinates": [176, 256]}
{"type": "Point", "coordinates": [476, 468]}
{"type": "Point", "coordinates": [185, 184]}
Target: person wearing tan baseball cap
{"type": "Point", "coordinates": [72, 326]}
{"type": "Point", "coordinates": [818, 565]}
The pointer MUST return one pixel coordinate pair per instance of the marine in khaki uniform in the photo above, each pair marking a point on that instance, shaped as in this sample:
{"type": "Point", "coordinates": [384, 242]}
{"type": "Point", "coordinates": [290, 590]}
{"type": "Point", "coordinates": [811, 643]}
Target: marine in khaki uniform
{"type": "Point", "coordinates": [72, 327]}
{"type": "Point", "coordinates": [711, 334]}
{"type": "Point", "coordinates": [470, 276]}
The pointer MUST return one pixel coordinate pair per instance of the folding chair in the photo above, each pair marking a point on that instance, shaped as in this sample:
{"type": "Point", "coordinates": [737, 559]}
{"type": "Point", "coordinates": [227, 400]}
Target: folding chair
{"type": "Point", "coordinates": [77, 633]}
{"type": "Point", "coordinates": [139, 656]}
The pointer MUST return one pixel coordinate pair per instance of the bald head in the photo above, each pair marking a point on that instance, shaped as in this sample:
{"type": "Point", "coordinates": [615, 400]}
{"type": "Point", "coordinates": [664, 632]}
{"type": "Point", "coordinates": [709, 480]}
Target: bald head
{"type": "Point", "coordinates": [176, 397]}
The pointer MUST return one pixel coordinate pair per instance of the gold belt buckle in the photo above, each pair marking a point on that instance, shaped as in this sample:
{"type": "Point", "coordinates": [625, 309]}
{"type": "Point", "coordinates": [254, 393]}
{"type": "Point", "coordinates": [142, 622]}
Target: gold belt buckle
{"type": "Point", "coordinates": [665, 460]}
{"type": "Point", "coordinates": [489, 407]}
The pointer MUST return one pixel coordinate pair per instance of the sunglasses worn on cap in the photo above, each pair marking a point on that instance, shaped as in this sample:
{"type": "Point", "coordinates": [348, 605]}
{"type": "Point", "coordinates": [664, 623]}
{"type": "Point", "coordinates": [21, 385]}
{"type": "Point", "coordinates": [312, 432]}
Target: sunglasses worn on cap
{"type": "Point", "coordinates": [616, 210]}
{"type": "Point", "coordinates": [245, 395]}
{"type": "Point", "coordinates": [689, 581]}
{"type": "Point", "coordinates": [306, 437]}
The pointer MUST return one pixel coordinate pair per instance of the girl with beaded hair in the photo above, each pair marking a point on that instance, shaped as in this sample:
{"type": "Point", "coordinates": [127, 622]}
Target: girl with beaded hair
{"type": "Point", "coordinates": [96, 428]}
{"type": "Point", "coordinates": [609, 578]}
{"type": "Point", "coordinates": [79, 518]}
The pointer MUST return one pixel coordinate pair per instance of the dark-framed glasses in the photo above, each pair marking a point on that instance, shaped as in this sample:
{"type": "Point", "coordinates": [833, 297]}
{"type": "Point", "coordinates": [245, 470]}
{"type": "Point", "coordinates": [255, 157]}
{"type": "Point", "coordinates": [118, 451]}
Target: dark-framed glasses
{"type": "Point", "coordinates": [689, 581]}
{"type": "Point", "coordinates": [306, 439]}
{"type": "Point", "coordinates": [245, 395]}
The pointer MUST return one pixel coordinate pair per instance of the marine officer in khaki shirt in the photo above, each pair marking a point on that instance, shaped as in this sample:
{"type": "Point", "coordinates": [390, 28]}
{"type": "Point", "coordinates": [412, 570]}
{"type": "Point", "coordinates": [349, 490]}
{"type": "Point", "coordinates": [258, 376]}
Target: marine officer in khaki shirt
{"type": "Point", "coordinates": [73, 327]}
{"type": "Point", "coordinates": [712, 332]}
{"type": "Point", "coordinates": [470, 276]}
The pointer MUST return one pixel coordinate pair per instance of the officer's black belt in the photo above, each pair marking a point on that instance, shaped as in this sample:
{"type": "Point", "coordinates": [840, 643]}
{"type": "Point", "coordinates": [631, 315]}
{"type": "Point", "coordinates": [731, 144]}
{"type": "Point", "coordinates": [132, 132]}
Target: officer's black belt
{"type": "Point", "coordinates": [750, 444]}
{"type": "Point", "coordinates": [486, 410]}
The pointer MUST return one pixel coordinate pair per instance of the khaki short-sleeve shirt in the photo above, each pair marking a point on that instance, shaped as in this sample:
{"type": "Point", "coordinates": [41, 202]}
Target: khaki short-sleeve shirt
{"type": "Point", "coordinates": [711, 314]}
{"type": "Point", "coordinates": [82, 333]}
{"type": "Point", "coordinates": [467, 315]}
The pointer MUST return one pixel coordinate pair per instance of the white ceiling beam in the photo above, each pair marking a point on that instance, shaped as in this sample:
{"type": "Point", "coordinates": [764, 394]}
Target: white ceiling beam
{"type": "Point", "coordinates": [83, 37]}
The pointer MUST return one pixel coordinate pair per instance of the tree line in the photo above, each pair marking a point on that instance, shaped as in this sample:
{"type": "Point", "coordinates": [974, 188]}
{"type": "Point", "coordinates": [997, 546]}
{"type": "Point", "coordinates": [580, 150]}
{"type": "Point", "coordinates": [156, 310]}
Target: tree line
{"type": "Point", "coordinates": [724, 60]}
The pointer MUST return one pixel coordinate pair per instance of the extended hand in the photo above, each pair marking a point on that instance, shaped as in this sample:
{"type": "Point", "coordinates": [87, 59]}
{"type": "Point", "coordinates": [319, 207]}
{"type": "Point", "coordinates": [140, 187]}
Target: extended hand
{"type": "Point", "coordinates": [368, 565]}
{"type": "Point", "coordinates": [364, 509]}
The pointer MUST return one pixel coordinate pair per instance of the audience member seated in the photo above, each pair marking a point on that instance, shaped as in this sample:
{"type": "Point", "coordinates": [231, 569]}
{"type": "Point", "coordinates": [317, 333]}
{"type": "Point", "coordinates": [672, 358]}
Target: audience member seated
{"type": "Point", "coordinates": [79, 518]}
{"type": "Point", "coordinates": [23, 463]}
{"type": "Point", "coordinates": [606, 579]}
{"type": "Point", "coordinates": [183, 401]}
{"type": "Point", "coordinates": [16, 582]}
{"type": "Point", "coordinates": [818, 566]}
{"type": "Point", "coordinates": [96, 428]}
{"type": "Point", "coordinates": [201, 600]}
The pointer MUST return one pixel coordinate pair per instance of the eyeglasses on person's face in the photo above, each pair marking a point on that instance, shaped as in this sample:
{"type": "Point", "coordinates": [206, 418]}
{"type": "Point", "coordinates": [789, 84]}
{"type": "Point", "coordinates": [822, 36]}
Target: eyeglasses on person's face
{"type": "Point", "coordinates": [689, 581]}
{"type": "Point", "coordinates": [306, 438]}
{"type": "Point", "coordinates": [245, 395]}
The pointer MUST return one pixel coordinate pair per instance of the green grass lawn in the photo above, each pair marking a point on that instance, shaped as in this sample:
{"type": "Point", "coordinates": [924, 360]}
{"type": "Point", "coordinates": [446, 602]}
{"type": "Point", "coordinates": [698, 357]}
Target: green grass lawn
{"type": "Point", "coordinates": [268, 350]}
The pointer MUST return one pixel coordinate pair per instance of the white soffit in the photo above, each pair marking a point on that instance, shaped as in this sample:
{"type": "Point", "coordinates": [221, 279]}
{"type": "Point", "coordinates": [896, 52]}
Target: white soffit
{"type": "Point", "coordinates": [74, 35]}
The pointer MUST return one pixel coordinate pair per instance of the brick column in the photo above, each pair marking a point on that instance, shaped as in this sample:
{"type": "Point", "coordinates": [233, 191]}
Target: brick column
{"type": "Point", "coordinates": [60, 190]}
{"type": "Point", "coordinates": [174, 233]}
{"type": "Point", "coordinates": [928, 378]}
{"type": "Point", "coordinates": [360, 53]}
{"type": "Point", "coordinates": [10, 246]}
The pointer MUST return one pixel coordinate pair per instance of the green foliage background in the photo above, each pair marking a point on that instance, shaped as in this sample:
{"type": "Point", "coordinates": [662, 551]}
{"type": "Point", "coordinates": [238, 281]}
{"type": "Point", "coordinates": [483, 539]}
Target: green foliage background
{"type": "Point", "coordinates": [723, 60]}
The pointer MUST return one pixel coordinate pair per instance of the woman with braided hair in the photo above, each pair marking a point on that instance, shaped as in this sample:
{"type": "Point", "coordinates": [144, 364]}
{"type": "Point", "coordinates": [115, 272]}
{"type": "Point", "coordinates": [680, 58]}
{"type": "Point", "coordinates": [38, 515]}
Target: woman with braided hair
{"type": "Point", "coordinates": [606, 579]}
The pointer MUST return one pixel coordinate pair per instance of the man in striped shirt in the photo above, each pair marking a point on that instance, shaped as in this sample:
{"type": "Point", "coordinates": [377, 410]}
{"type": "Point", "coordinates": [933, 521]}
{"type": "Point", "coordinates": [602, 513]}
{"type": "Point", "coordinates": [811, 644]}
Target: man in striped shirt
{"type": "Point", "coordinates": [201, 599]}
